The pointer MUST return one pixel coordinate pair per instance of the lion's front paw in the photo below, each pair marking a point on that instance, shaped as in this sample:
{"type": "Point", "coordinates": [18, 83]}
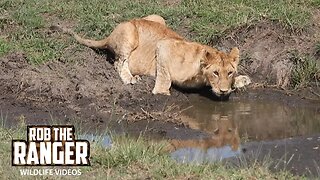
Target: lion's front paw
{"type": "Point", "coordinates": [135, 79]}
{"type": "Point", "coordinates": [131, 80]}
{"type": "Point", "coordinates": [241, 81]}
{"type": "Point", "coordinates": [154, 91]}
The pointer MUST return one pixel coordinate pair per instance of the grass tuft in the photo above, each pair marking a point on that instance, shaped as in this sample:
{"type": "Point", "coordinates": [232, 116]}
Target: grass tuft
{"type": "Point", "coordinates": [316, 3]}
{"type": "Point", "coordinates": [317, 48]}
{"type": "Point", "coordinates": [5, 47]}
{"type": "Point", "coordinates": [305, 70]}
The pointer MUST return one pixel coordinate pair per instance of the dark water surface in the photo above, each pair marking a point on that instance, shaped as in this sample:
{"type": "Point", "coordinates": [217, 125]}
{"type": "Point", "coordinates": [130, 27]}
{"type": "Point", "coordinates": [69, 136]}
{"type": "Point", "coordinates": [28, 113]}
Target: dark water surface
{"type": "Point", "coordinates": [257, 119]}
{"type": "Point", "coordinates": [286, 131]}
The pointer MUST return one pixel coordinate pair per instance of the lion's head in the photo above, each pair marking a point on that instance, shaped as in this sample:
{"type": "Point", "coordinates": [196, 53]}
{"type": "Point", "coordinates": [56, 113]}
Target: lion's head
{"type": "Point", "coordinates": [220, 69]}
{"type": "Point", "coordinates": [224, 132]}
{"type": "Point", "coordinates": [227, 132]}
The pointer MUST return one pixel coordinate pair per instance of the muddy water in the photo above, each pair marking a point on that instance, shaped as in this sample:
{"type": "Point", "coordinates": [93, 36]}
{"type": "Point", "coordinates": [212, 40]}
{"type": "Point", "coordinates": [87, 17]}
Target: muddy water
{"type": "Point", "coordinates": [104, 140]}
{"type": "Point", "coordinates": [257, 120]}
{"type": "Point", "coordinates": [196, 155]}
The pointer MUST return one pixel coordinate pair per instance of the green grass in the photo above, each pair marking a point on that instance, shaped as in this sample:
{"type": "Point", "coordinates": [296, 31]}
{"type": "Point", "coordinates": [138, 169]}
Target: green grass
{"type": "Point", "coordinates": [5, 47]}
{"type": "Point", "coordinates": [27, 21]}
{"type": "Point", "coordinates": [317, 48]}
{"type": "Point", "coordinates": [131, 158]}
{"type": "Point", "coordinates": [305, 70]}
{"type": "Point", "coordinates": [316, 3]}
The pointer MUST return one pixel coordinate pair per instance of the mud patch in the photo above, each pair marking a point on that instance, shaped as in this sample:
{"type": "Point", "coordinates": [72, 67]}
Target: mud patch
{"type": "Point", "coordinates": [300, 155]}
{"type": "Point", "coordinates": [89, 90]}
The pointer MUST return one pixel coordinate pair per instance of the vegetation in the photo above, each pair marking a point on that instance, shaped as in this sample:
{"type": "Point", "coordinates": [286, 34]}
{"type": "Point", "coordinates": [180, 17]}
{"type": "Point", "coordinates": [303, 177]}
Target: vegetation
{"type": "Point", "coordinates": [305, 70]}
{"type": "Point", "coordinates": [26, 23]}
{"type": "Point", "coordinates": [25, 26]}
{"type": "Point", "coordinates": [318, 48]}
{"type": "Point", "coordinates": [131, 158]}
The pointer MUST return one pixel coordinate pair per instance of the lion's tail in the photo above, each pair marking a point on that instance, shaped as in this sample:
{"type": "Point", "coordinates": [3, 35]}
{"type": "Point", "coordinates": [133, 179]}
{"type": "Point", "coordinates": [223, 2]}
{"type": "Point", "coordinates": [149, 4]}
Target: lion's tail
{"type": "Point", "coordinates": [101, 44]}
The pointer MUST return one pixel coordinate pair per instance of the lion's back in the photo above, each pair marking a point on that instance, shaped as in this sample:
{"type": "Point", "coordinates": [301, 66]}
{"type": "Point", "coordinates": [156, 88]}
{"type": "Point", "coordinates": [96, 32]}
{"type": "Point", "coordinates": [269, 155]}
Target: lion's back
{"type": "Point", "coordinates": [142, 59]}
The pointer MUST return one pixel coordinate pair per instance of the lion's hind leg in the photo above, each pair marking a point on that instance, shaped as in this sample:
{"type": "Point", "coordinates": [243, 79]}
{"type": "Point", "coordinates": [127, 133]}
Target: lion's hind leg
{"type": "Point", "coordinates": [124, 40]}
{"type": "Point", "coordinates": [122, 67]}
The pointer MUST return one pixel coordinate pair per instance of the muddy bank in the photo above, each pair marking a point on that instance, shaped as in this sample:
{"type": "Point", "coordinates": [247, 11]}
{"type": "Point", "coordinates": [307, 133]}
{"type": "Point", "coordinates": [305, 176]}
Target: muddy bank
{"type": "Point", "coordinates": [299, 155]}
{"type": "Point", "coordinates": [85, 89]}
{"type": "Point", "coordinates": [136, 111]}
{"type": "Point", "coordinates": [85, 84]}
{"type": "Point", "coordinates": [88, 91]}
{"type": "Point", "coordinates": [90, 84]}
{"type": "Point", "coordinates": [269, 51]}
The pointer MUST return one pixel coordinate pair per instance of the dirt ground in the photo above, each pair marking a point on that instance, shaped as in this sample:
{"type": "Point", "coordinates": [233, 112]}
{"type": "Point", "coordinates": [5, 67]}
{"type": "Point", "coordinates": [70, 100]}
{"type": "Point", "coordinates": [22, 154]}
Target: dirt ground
{"type": "Point", "coordinates": [87, 87]}
{"type": "Point", "coordinates": [90, 91]}
{"type": "Point", "coordinates": [267, 49]}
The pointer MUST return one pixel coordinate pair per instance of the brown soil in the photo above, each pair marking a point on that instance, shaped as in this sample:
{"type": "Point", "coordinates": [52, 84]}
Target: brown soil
{"type": "Point", "coordinates": [267, 48]}
{"type": "Point", "coordinates": [87, 88]}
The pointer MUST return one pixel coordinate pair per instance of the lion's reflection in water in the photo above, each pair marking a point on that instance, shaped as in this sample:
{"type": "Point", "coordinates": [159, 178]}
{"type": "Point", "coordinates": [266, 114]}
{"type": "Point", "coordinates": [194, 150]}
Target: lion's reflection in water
{"type": "Point", "coordinates": [223, 142]}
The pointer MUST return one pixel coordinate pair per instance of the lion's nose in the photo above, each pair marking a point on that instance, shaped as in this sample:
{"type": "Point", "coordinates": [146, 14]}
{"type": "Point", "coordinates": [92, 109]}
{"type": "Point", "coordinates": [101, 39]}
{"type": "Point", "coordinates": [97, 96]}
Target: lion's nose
{"type": "Point", "coordinates": [223, 91]}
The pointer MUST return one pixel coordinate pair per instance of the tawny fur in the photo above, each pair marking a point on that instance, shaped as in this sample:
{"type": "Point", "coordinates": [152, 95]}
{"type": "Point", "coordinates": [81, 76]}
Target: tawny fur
{"type": "Point", "coordinates": [146, 46]}
{"type": "Point", "coordinates": [190, 64]}
{"type": "Point", "coordinates": [226, 133]}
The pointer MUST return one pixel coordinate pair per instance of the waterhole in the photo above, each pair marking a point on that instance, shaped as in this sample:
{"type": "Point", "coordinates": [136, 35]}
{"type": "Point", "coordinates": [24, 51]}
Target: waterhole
{"type": "Point", "coordinates": [237, 121]}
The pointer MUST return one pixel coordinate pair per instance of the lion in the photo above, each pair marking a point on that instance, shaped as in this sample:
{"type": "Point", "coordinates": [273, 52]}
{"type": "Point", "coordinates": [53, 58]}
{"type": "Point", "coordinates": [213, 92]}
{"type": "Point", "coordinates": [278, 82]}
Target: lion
{"type": "Point", "coordinates": [146, 46]}
{"type": "Point", "coordinates": [155, 18]}
{"type": "Point", "coordinates": [224, 134]}
{"type": "Point", "coordinates": [192, 65]}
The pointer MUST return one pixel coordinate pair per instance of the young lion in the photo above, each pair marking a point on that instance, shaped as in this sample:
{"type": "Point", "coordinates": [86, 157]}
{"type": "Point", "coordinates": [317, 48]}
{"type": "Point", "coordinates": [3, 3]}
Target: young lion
{"type": "Point", "coordinates": [146, 46]}
{"type": "Point", "coordinates": [189, 64]}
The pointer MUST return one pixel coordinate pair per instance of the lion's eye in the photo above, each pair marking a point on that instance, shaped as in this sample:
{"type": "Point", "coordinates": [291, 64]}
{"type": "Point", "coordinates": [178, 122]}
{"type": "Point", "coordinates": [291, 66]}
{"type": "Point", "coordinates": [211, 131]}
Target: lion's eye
{"type": "Point", "coordinates": [216, 73]}
{"type": "Point", "coordinates": [230, 73]}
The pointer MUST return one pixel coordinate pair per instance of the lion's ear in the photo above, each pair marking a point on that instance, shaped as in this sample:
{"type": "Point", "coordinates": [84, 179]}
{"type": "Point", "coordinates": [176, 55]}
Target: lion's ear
{"type": "Point", "coordinates": [204, 58]}
{"type": "Point", "coordinates": [235, 55]}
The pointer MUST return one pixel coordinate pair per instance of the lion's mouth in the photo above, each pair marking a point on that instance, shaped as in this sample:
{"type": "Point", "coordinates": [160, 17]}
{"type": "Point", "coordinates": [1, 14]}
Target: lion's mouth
{"type": "Point", "coordinates": [221, 96]}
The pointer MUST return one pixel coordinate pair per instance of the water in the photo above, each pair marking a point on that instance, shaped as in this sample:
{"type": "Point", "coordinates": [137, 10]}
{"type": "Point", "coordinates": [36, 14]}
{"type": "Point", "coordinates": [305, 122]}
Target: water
{"type": "Point", "coordinates": [228, 122]}
{"type": "Point", "coordinates": [232, 122]}
{"type": "Point", "coordinates": [257, 119]}
{"type": "Point", "coordinates": [199, 156]}
{"type": "Point", "coordinates": [249, 120]}
{"type": "Point", "coordinates": [103, 140]}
